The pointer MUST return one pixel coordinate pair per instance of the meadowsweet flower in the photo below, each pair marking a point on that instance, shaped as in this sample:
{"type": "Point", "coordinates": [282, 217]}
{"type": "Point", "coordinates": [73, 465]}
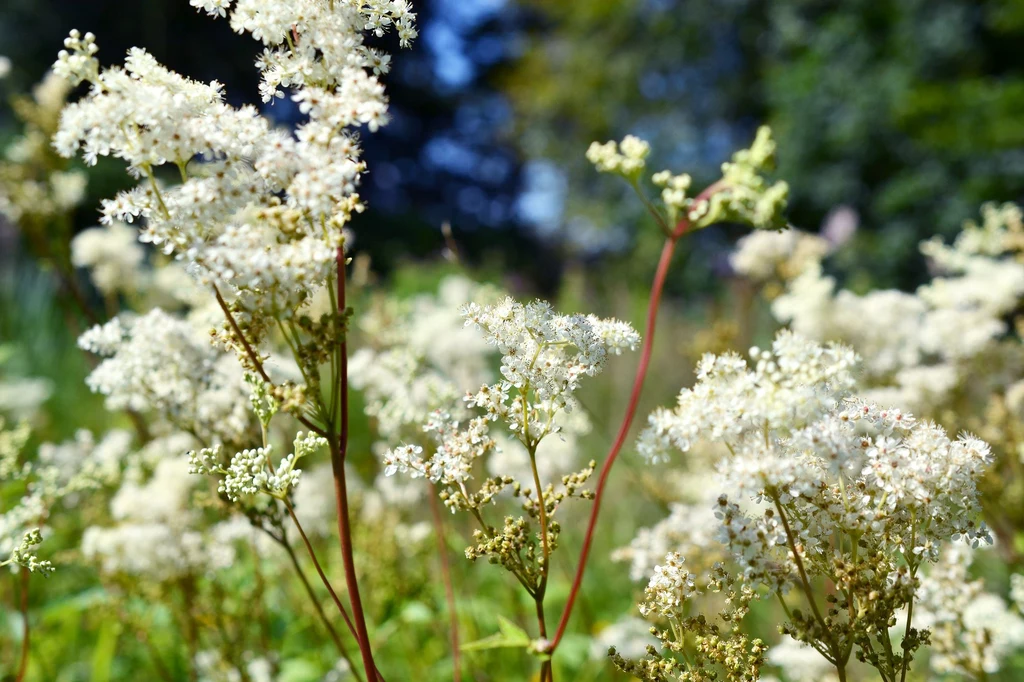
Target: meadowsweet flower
{"type": "Point", "coordinates": [972, 630]}
{"type": "Point", "coordinates": [818, 483]}
{"type": "Point", "coordinates": [800, 662]}
{"type": "Point", "coordinates": [160, 364]}
{"type": "Point", "coordinates": [258, 212]}
{"type": "Point", "coordinates": [791, 385]}
{"type": "Point", "coordinates": [669, 587]}
{"type": "Point", "coordinates": [419, 357]}
{"type": "Point", "coordinates": [157, 534]}
{"type": "Point", "coordinates": [543, 353]}
{"type": "Point", "coordinates": [917, 347]}
{"type": "Point", "coordinates": [762, 255]}
{"type": "Point", "coordinates": [252, 471]}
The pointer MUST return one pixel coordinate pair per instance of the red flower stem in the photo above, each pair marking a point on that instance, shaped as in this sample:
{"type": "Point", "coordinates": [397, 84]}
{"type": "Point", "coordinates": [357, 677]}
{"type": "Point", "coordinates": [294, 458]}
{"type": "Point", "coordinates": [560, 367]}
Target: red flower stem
{"type": "Point", "coordinates": [446, 575]}
{"type": "Point", "coordinates": [657, 287]}
{"type": "Point", "coordinates": [339, 450]}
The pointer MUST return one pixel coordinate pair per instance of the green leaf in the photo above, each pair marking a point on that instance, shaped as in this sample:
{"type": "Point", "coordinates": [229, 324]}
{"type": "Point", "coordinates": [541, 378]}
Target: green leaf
{"type": "Point", "coordinates": [103, 654]}
{"type": "Point", "coordinates": [299, 670]}
{"type": "Point", "coordinates": [511, 636]}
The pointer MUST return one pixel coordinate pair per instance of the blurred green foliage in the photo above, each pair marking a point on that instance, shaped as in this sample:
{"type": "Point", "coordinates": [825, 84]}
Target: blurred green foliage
{"type": "Point", "coordinates": [909, 111]}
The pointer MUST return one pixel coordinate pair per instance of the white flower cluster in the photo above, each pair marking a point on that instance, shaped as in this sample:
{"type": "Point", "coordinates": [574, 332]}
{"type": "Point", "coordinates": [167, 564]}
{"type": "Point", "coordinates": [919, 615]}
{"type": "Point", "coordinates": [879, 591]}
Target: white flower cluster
{"type": "Point", "coordinates": [788, 387]}
{"type": "Point", "coordinates": [37, 190]}
{"type": "Point", "coordinates": [113, 255]}
{"type": "Point", "coordinates": [917, 346]}
{"type": "Point", "coordinates": [668, 590]}
{"type": "Point", "coordinates": [814, 479]}
{"type": "Point", "coordinates": [83, 463]}
{"type": "Point", "coordinates": [163, 365]}
{"type": "Point", "coordinates": [762, 255]}
{"type": "Point", "coordinates": [457, 448]}
{"type": "Point", "coordinates": [419, 356]}
{"type": "Point", "coordinates": [157, 535]}
{"type": "Point", "coordinates": [800, 662]}
{"type": "Point", "coordinates": [543, 356]}
{"type": "Point", "coordinates": [261, 215]}
{"type": "Point", "coordinates": [972, 630]}
{"type": "Point", "coordinates": [251, 471]}
{"type": "Point", "coordinates": [58, 475]}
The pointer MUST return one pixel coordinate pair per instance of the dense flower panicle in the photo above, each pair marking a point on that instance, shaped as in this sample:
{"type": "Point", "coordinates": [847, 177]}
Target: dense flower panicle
{"type": "Point", "coordinates": [814, 479]}
{"type": "Point", "coordinates": [791, 385]}
{"type": "Point", "coordinates": [542, 352]}
{"type": "Point", "coordinates": [917, 347]}
{"type": "Point", "coordinates": [258, 212]}
{"type": "Point", "coordinates": [419, 357]}
{"type": "Point", "coordinates": [157, 534]}
{"type": "Point", "coordinates": [669, 587]}
{"type": "Point", "coordinates": [164, 365]}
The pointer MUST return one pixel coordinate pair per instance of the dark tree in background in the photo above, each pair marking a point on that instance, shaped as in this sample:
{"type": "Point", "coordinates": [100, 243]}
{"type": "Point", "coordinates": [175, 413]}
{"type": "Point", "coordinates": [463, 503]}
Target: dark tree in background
{"type": "Point", "coordinates": [443, 158]}
{"type": "Point", "coordinates": [909, 111]}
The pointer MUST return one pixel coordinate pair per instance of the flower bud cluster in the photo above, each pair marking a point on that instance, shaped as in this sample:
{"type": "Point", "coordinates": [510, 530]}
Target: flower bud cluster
{"type": "Point", "coordinates": [252, 471]}
{"type": "Point", "coordinates": [693, 647]}
{"type": "Point", "coordinates": [742, 195]}
{"type": "Point", "coordinates": [626, 158]}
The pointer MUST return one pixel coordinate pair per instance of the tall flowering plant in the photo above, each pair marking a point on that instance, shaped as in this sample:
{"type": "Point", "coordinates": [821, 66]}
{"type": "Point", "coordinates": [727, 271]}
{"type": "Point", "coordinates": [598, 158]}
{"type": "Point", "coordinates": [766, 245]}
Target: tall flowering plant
{"type": "Point", "coordinates": [236, 366]}
{"type": "Point", "coordinates": [257, 214]}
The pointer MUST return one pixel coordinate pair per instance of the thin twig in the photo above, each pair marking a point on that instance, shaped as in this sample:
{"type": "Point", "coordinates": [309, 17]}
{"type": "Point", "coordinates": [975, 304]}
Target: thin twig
{"type": "Point", "coordinates": [319, 609]}
{"type": "Point", "coordinates": [446, 577]}
{"type": "Point", "coordinates": [255, 358]}
{"type": "Point", "coordinates": [657, 287]}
